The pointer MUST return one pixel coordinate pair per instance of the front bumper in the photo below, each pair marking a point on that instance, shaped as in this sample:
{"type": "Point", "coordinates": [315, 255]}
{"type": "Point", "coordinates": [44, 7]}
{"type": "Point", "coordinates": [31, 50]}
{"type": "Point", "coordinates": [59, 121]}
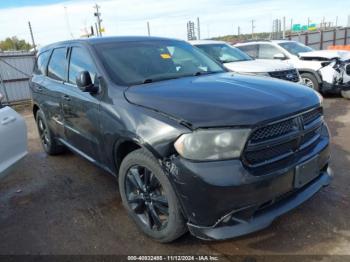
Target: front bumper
{"type": "Point", "coordinates": [335, 88]}
{"type": "Point", "coordinates": [231, 226]}
{"type": "Point", "coordinates": [224, 199]}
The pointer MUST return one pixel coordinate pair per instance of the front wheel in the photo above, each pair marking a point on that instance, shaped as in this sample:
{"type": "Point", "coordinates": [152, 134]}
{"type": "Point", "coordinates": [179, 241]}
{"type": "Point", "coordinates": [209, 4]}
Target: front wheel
{"type": "Point", "coordinates": [310, 80]}
{"type": "Point", "coordinates": [149, 197]}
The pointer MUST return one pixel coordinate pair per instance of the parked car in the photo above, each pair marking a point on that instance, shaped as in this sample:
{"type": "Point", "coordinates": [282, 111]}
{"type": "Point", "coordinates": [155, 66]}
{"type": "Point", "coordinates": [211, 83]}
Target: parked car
{"type": "Point", "coordinates": [194, 146]}
{"type": "Point", "coordinates": [236, 60]}
{"type": "Point", "coordinates": [13, 138]}
{"type": "Point", "coordinates": [308, 61]}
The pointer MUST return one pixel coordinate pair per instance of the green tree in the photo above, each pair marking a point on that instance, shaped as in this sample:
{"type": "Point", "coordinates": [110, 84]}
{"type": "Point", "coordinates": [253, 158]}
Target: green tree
{"type": "Point", "coordinates": [13, 43]}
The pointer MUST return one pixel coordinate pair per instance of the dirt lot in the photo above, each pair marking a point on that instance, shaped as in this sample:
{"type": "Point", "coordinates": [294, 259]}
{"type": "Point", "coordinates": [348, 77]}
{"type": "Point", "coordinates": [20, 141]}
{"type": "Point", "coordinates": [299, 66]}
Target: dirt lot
{"type": "Point", "coordinates": [65, 205]}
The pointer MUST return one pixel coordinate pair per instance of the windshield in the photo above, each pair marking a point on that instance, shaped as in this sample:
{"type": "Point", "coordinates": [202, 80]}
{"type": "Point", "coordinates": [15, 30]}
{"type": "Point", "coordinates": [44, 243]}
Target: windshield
{"type": "Point", "coordinates": [138, 62]}
{"type": "Point", "coordinates": [295, 48]}
{"type": "Point", "coordinates": [224, 53]}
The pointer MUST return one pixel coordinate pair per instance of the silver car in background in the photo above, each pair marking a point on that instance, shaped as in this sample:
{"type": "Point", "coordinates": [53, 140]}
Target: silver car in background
{"type": "Point", "coordinates": [13, 138]}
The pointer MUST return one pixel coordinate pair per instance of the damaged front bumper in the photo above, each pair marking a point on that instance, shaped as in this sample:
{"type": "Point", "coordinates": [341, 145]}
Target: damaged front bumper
{"type": "Point", "coordinates": [224, 199]}
{"type": "Point", "coordinates": [233, 225]}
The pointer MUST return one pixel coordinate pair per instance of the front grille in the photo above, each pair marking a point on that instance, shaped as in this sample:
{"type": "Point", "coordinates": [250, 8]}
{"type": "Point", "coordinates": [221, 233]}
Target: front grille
{"type": "Point", "coordinates": [281, 139]}
{"type": "Point", "coordinates": [311, 116]}
{"type": "Point", "coordinates": [272, 131]}
{"type": "Point", "coordinates": [289, 75]}
{"type": "Point", "coordinates": [262, 155]}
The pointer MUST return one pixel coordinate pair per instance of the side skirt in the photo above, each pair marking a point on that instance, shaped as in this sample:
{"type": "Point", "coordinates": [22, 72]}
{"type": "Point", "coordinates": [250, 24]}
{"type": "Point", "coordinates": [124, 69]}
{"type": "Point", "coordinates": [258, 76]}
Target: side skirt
{"type": "Point", "coordinates": [80, 153]}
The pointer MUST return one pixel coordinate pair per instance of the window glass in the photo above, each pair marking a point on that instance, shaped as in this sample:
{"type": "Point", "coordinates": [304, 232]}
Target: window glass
{"type": "Point", "coordinates": [251, 50]}
{"type": "Point", "coordinates": [224, 53]}
{"type": "Point", "coordinates": [130, 63]}
{"type": "Point", "coordinates": [57, 68]}
{"type": "Point", "coordinates": [41, 63]}
{"type": "Point", "coordinates": [268, 51]}
{"type": "Point", "coordinates": [295, 48]}
{"type": "Point", "coordinates": [80, 60]}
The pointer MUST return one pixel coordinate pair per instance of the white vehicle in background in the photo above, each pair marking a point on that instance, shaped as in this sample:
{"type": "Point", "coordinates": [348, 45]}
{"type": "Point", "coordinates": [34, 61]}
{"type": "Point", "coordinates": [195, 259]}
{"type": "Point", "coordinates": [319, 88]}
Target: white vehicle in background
{"type": "Point", "coordinates": [236, 60]}
{"type": "Point", "coordinates": [322, 70]}
{"type": "Point", "coordinates": [13, 138]}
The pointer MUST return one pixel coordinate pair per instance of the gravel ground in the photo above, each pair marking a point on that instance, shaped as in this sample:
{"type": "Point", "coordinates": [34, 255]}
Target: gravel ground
{"type": "Point", "coordinates": [65, 205]}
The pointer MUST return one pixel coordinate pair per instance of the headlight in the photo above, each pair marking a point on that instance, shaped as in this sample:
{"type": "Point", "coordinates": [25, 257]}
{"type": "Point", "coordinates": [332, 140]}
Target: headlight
{"type": "Point", "coordinates": [209, 144]}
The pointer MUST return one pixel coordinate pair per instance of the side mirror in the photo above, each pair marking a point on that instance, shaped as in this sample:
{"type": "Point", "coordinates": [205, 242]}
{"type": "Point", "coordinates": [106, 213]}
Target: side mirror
{"type": "Point", "coordinates": [279, 56]}
{"type": "Point", "coordinates": [85, 84]}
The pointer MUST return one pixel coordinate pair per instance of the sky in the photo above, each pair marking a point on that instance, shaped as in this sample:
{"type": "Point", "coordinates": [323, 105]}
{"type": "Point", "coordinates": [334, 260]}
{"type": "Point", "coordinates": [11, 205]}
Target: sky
{"type": "Point", "coordinates": [55, 20]}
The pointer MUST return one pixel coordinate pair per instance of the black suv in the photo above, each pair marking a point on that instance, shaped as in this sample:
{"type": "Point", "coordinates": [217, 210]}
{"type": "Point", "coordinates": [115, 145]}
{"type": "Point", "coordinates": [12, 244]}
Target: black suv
{"type": "Point", "coordinates": [193, 146]}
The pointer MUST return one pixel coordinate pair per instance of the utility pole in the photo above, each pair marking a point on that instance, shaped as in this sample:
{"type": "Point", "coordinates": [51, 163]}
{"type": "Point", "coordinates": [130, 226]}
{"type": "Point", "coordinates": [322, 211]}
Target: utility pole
{"type": "Point", "coordinates": [32, 36]}
{"type": "Point", "coordinates": [284, 28]}
{"type": "Point", "coordinates": [308, 22]}
{"type": "Point", "coordinates": [96, 29]}
{"type": "Point", "coordinates": [238, 30]}
{"type": "Point", "coordinates": [98, 18]}
{"type": "Point", "coordinates": [198, 29]}
{"type": "Point", "coordinates": [253, 26]}
{"type": "Point", "coordinates": [336, 21]}
{"type": "Point", "coordinates": [148, 29]}
{"type": "Point", "coordinates": [67, 22]}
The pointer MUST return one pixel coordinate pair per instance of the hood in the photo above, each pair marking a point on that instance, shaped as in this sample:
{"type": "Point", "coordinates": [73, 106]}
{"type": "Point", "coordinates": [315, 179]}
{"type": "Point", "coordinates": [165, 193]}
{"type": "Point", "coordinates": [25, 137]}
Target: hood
{"type": "Point", "coordinates": [326, 54]}
{"type": "Point", "coordinates": [258, 66]}
{"type": "Point", "coordinates": [224, 99]}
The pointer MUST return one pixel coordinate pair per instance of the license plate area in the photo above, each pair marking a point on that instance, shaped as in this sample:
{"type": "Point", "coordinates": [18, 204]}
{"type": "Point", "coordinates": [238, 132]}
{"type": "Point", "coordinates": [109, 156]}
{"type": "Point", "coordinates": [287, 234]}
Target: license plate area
{"type": "Point", "coordinates": [306, 172]}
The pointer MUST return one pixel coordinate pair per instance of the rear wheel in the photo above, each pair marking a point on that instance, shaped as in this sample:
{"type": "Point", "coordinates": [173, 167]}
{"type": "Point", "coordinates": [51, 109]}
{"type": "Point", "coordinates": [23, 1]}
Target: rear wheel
{"type": "Point", "coordinates": [149, 197]}
{"type": "Point", "coordinates": [48, 142]}
{"type": "Point", "coordinates": [310, 80]}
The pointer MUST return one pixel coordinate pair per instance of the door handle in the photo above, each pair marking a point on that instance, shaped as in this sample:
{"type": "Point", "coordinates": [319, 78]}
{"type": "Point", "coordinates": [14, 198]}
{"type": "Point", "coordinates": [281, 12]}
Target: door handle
{"type": "Point", "coordinates": [66, 97]}
{"type": "Point", "coordinates": [7, 120]}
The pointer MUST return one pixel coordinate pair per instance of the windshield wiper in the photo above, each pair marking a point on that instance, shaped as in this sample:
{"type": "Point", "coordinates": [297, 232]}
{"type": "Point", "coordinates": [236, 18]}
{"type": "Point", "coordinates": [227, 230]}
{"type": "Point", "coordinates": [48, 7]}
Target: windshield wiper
{"type": "Point", "coordinates": [200, 73]}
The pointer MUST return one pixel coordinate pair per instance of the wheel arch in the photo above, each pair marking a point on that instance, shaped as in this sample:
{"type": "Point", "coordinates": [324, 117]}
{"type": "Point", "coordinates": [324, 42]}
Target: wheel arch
{"type": "Point", "coordinates": [35, 109]}
{"type": "Point", "coordinates": [126, 145]}
{"type": "Point", "coordinates": [313, 72]}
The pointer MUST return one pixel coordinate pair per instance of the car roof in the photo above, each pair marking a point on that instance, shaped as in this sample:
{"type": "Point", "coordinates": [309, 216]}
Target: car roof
{"type": "Point", "coordinates": [206, 42]}
{"type": "Point", "coordinates": [263, 41]}
{"type": "Point", "coordinates": [108, 39]}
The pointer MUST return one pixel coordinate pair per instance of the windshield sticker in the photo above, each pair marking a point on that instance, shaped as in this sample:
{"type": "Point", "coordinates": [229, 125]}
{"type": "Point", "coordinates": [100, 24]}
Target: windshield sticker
{"type": "Point", "coordinates": [165, 56]}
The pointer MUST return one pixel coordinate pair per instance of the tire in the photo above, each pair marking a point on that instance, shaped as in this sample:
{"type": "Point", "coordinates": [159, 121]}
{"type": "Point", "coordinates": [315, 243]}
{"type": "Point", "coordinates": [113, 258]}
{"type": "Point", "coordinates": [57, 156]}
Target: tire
{"type": "Point", "coordinates": [345, 94]}
{"type": "Point", "coordinates": [47, 140]}
{"type": "Point", "coordinates": [135, 198]}
{"type": "Point", "coordinates": [310, 80]}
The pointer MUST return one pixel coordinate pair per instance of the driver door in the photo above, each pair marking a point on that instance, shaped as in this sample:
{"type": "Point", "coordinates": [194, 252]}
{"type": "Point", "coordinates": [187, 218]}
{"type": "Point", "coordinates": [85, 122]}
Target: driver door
{"type": "Point", "coordinates": [81, 109]}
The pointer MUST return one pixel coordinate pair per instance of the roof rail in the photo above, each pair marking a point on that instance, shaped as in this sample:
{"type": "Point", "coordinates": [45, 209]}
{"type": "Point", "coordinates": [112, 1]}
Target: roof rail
{"type": "Point", "coordinates": [257, 40]}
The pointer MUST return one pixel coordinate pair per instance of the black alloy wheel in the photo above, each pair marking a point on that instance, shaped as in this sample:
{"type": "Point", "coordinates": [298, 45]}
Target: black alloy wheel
{"type": "Point", "coordinates": [146, 197]}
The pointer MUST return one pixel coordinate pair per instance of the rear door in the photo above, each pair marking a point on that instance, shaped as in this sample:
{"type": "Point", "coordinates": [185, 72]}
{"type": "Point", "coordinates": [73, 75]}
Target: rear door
{"type": "Point", "coordinates": [53, 89]}
{"type": "Point", "coordinates": [81, 109]}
